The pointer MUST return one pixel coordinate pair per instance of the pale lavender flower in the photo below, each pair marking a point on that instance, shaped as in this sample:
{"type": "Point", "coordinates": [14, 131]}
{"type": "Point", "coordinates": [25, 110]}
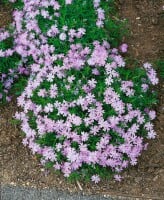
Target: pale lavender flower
{"type": "Point", "coordinates": [68, 1]}
{"type": "Point", "coordinates": [95, 178]}
{"type": "Point", "coordinates": [152, 114]}
{"type": "Point", "coordinates": [62, 36]}
{"type": "Point", "coordinates": [117, 177]}
{"type": "Point", "coordinates": [123, 48]}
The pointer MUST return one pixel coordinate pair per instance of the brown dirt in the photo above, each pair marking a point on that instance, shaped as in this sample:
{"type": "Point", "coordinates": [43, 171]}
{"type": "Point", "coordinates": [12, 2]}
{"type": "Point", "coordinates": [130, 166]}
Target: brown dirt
{"type": "Point", "coordinates": [146, 20]}
{"type": "Point", "coordinates": [5, 16]}
{"type": "Point", "coordinates": [146, 180]}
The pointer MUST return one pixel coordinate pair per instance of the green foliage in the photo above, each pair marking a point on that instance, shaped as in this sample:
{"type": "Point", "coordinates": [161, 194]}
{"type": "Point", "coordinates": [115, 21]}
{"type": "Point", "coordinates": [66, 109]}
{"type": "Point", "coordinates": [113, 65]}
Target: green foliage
{"type": "Point", "coordinates": [159, 65]}
{"type": "Point", "coordinates": [73, 18]}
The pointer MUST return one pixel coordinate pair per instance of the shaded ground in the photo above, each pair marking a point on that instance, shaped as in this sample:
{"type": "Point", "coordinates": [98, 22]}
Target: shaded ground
{"type": "Point", "coordinates": [146, 180]}
{"type": "Point", "coordinates": [146, 19]}
{"type": "Point", "coordinates": [5, 17]}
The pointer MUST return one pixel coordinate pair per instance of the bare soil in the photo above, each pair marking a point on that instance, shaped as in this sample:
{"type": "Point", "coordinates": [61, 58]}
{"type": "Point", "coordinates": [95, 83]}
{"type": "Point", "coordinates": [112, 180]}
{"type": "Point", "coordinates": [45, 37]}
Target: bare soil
{"type": "Point", "coordinates": [5, 15]}
{"type": "Point", "coordinates": [146, 23]}
{"type": "Point", "coordinates": [146, 179]}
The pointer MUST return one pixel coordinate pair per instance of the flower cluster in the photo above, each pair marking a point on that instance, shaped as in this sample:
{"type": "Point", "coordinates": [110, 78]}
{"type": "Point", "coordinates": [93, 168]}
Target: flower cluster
{"type": "Point", "coordinates": [100, 13]}
{"type": "Point", "coordinates": [82, 111]}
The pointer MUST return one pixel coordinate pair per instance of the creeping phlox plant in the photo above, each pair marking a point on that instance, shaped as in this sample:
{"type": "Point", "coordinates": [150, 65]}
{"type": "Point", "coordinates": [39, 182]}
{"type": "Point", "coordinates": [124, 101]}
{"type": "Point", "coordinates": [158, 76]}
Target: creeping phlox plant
{"type": "Point", "coordinates": [83, 112]}
{"type": "Point", "coordinates": [11, 66]}
{"type": "Point", "coordinates": [22, 38]}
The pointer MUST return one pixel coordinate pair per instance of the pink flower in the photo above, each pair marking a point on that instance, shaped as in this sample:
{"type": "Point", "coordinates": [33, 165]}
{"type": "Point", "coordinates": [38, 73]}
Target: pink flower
{"type": "Point", "coordinates": [144, 87]}
{"type": "Point", "coordinates": [123, 48]}
{"type": "Point", "coordinates": [76, 120]}
{"type": "Point", "coordinates": [95, 72]}
{"type": "Point", "coordinates": [71, 79]}
{"type": "Point", "coordinates": [84, 136]}
{"type": "Point", "coordinates": [152, 114]}
{"type": "Point", "coordinates": [95, 178]}
{"type": "Point", "coordinates": [62, 36]}
{"type": "Point", "coordinates": [92, 83]}
{"type": "Point", "coordinates": [68, 1]}
{"type": "Point", "coordinates": [151, 73]}
{"type": "Point", "coordinates": [117, 177]}
{"type": "Point", "coordinates": [151, 134]}
{"type": "Point", "coordinates": [42, 93]}
{"type": "Point", "coordinates": [8, 98]}
{"type": "Point", "coordinates": [48, 108]}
